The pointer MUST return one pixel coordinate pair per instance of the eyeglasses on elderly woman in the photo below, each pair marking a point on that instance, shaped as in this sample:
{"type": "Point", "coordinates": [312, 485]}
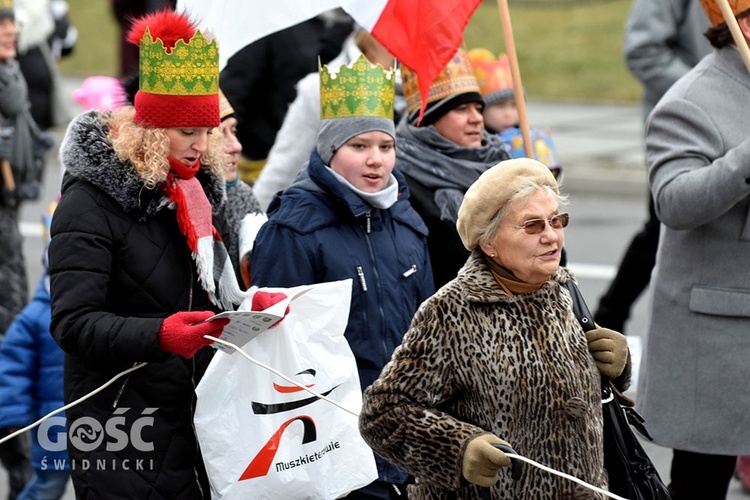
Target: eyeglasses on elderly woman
{"type": "Point", "coordinates": [536, 226]}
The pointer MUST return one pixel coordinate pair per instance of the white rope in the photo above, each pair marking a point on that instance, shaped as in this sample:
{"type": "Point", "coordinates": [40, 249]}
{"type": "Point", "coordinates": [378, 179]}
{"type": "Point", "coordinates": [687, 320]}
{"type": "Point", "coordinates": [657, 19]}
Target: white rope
{"type": "Point", "coordinates": [511, 455]}
{"type": "Point", "coordinates": [566, 476]}
{"type": "Point", "coordinates": [314, 393]}
{"type": "Point", "coordinates": [276, 372]}
{"type": "Point", "coordinates": [73, 403]}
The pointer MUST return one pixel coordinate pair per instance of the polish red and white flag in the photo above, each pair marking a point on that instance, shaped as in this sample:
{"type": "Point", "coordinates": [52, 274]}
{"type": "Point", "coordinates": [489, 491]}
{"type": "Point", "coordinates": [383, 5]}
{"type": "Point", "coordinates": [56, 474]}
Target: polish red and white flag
{"type": "Point", "coordinates": [421, 34]}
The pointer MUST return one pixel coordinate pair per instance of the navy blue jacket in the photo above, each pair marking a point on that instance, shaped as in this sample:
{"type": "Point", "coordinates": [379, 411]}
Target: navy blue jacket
{"type": "Point", "coordinates": [319, 230]}
{"type": "Point", "coordinates": [31, 378]}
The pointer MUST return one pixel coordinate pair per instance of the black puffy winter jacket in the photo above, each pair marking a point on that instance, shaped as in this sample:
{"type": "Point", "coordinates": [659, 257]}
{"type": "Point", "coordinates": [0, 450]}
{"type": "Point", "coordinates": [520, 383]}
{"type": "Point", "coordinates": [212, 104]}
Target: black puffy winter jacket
{"type": "Point", "coordinates": [118, 266]}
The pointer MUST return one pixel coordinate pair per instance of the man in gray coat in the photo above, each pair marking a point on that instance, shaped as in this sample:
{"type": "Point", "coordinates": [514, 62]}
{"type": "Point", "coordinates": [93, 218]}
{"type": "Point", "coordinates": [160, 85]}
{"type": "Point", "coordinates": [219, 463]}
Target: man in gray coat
{"type": "Point", "coordinates": [663, 41]}
{"type": "Point", "coordinates": [694, 393]}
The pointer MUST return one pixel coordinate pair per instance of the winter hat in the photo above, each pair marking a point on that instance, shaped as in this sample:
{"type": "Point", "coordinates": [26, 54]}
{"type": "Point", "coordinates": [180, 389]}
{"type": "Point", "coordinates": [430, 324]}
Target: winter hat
{"type": "Point", "coordinates": [492, 190]}
{"type": "Point", "coordinates": [493, 75]}
{"type": "Point", "coordinates": [103, 93]}
{"type": "Point", "coordinates": [354, 99]}
{"type": "Point", "coordinates": [6, 9]}
{"type": "Point", "coordinates": [455, 85]}
{"type": "Point", "coordinates": [178, 81]}
{"type": "Point", "coordinates": [225, 109]}
{"type": "Point", "coordinates": [714, 12]}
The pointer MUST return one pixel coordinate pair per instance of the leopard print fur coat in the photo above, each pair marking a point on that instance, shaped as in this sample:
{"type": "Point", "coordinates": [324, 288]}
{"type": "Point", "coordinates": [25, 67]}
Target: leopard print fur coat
{"type": "Point", "coordinates": [476, 360]}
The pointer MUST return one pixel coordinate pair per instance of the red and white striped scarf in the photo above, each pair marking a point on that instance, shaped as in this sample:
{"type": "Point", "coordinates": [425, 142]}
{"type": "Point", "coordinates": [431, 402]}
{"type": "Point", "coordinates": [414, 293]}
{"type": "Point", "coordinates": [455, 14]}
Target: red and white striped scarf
{"type": "Point", "coordinates": [194, 217]}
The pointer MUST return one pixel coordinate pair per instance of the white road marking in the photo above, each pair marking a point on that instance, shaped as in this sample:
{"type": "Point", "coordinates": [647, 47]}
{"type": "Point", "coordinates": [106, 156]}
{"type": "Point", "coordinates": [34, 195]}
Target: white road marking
{"type": "Point", "coordinates": [580, 269]}
{"type": "Point", "coordinates": [30, 229]}
{"type": "Point", "coordinates": [592, 271]}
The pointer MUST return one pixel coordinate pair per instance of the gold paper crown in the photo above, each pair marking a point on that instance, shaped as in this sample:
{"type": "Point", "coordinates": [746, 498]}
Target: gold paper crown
{"type": "Point", "coordinates": [493, 74]}
{"type": "Point", "coordinates": [6, 4]}
{"type": "Point", "coordinates": [190, 69]}
{"type": "Point", "coordinates": [358, 89]}
{"type": "Point", "coordinates": [456, 78]}
{"type": "Point", "coordinates": [714, 13]}
{"type": "Point", "coordinates": [225, 108]}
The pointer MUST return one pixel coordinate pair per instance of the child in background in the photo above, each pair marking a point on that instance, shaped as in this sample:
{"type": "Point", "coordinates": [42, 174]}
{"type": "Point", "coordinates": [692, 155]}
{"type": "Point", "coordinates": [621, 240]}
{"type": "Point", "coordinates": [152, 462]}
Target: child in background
{"type": "Point", "coordinates": [31, 386]}
{"type": "Point", "coordinates": [501, 114]}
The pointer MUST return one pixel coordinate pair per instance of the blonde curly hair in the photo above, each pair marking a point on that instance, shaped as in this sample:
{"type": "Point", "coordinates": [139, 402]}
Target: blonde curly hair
{"type": "Point", "coordinates": [147, 149]}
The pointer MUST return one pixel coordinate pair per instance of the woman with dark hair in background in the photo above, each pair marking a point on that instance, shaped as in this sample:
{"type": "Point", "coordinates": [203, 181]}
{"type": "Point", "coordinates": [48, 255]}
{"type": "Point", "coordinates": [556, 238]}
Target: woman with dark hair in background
{"type": "Point", "coordinates": [443, 154]}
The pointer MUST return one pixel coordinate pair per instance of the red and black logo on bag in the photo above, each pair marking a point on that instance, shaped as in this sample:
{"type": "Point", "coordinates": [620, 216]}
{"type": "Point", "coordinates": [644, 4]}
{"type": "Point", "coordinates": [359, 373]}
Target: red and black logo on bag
{"type": "Point", "coordinates": [260, 465]}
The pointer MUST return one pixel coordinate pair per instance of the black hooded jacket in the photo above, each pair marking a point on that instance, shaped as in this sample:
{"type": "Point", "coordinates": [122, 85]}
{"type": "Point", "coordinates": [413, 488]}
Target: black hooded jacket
{"type": "Point", "coordinates": [119, 265]}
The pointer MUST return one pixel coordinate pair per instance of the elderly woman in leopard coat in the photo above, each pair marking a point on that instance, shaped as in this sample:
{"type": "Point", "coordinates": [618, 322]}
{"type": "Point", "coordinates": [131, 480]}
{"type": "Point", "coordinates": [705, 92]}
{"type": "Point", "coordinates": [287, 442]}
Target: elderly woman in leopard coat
{"type": "Point", "coordinates": [497, 356]}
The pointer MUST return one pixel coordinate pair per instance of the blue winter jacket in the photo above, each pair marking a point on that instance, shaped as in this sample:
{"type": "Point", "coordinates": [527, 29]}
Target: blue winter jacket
{"type": "Point", "coordinates": [319, 230]}
{"type": "Point", "coordinates": [31, 380]}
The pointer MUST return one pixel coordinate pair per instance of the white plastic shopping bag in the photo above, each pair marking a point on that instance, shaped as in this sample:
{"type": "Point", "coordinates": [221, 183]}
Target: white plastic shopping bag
{"type": "Point", "coordinates": [264, 438]}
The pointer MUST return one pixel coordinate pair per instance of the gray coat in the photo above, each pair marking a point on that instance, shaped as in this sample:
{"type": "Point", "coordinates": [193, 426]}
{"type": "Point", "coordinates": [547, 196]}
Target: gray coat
{"type": "Point", "coordinates": [663, 40]}
{"type": "Point", "coordinates": [694, 392]}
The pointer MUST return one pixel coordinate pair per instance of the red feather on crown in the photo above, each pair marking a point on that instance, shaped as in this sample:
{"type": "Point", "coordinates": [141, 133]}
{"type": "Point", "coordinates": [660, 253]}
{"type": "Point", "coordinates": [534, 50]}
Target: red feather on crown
{"type": "Point", "coordinates": [166, 25]}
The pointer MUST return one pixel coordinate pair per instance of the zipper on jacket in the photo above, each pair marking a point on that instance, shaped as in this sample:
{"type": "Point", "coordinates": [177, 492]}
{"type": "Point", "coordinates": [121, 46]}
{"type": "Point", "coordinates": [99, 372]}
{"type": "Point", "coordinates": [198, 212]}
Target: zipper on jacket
{"type": "Point", "coordinates": [190, 296]}
{"type": "Point", "coordinates": [192, 399]}
{"type": "Point", "coordinates": [192, 424]}
{"type": "Point", "coordinates": [379, 290]}
{"type": "Point", "coordinates": [361, 276]}
{"type": "Point", "coordinates": [368, 218]}
{"type": "Point", "coordinates": [410, 271]}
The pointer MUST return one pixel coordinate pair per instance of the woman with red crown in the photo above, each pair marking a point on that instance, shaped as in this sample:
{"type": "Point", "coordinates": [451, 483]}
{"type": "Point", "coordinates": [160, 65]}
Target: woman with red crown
{"type": "Point", "coordinates": [137, 266]}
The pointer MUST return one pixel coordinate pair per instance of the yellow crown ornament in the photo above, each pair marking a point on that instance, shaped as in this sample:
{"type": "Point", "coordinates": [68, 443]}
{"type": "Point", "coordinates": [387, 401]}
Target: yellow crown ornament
{"type": "Point", "coordinates": [358, 89]}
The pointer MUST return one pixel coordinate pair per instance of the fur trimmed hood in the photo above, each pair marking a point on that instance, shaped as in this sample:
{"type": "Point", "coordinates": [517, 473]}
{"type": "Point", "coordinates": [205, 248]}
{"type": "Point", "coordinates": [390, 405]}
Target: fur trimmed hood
{"type": "Point", "coordinates": [87, 154]}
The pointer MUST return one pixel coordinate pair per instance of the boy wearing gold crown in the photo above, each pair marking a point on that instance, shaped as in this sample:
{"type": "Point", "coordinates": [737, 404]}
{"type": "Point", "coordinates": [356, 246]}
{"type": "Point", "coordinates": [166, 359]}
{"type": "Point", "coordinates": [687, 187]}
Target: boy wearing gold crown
{"type": "Point", "coordinates": [137, 263]}
{"type": "Point", "coordinates": [347, 215]}
{"type": "Point", "coordinates": [698, 151]}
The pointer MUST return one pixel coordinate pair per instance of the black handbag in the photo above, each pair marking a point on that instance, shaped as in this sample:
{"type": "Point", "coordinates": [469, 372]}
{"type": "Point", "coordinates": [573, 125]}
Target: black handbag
{"type": "Point", "coordinates": [631, 473]}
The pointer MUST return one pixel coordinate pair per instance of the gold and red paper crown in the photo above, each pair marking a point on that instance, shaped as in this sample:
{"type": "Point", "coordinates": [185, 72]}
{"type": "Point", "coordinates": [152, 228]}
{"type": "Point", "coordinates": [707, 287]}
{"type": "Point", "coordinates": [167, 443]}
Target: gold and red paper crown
{"type": "Point", "coordinates": [178, 82]}
{"type": "Point", "coordinates": [456, 78]}
{"type": "Point", "coordinates": [493, 75]}
{"type": "Point", "coordinates": [358, 89]}
{"type": "Point", "coordinates": [714, 12]}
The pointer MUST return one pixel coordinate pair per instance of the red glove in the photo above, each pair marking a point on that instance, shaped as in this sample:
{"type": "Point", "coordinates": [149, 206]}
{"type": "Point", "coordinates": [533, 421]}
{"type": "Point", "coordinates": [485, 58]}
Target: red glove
{"type": "Point", "coordinates": [182, 333]}
{"type": "Point", "coordinates": [264, 300]}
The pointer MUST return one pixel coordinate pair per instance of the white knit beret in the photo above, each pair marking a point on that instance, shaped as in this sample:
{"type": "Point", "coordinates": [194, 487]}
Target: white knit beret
{"type": "Point", "coordinates": [492, 190]}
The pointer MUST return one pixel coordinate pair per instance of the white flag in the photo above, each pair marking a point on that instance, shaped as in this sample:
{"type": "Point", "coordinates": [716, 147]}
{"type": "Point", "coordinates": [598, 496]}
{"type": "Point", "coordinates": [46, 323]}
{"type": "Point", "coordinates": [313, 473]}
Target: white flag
{"type": "Point", "coordinates": [236, 23]}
